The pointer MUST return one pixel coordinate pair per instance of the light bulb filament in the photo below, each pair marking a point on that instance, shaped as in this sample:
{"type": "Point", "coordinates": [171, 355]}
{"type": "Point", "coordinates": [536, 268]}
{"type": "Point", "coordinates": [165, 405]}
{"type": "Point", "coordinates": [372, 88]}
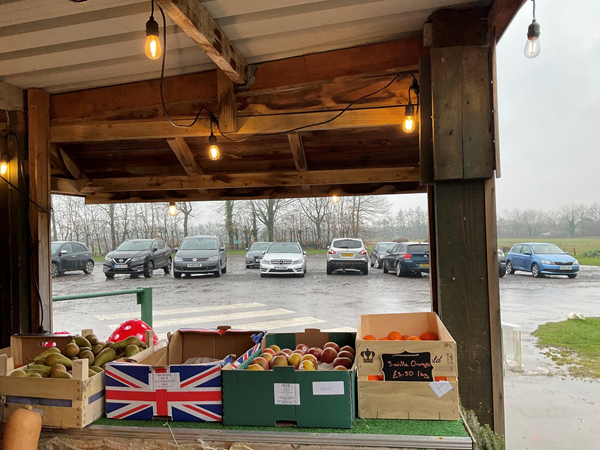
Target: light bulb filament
{"type": "Point", "coordinates": [3, 168]}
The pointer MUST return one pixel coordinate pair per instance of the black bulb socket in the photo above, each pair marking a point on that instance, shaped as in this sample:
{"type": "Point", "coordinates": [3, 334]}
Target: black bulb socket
{"type": "Point", "coordinates": [534, 30]}
{"type": "Point", "coordinates": [409, 110]}
{"type": "Point", "coordinates": [152, 27]}
{"type": "Point", "coordinates": [212, 139]}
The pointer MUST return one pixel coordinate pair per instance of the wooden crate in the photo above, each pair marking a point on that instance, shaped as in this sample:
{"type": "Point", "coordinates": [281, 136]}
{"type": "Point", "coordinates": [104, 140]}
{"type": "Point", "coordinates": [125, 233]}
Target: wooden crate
{"type": "Point", "coordinates": [62, 403]}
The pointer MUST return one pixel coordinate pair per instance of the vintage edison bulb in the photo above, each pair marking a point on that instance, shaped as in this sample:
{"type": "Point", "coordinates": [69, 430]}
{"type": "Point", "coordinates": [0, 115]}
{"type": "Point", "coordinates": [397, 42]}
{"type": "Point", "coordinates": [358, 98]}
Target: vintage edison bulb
{"type": "Point", "coordinates": [153, 50]}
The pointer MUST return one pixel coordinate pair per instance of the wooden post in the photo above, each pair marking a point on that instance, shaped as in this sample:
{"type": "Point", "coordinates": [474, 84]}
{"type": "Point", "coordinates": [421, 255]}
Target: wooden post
{"type": "Point", "coordinates": [462, 200]}
{"type": "Point", "coordinates": [39, 192]}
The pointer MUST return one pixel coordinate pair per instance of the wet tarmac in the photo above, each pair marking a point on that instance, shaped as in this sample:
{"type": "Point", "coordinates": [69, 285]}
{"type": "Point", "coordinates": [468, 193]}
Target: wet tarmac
{"type": "Point", "coordinates": [544, 408]}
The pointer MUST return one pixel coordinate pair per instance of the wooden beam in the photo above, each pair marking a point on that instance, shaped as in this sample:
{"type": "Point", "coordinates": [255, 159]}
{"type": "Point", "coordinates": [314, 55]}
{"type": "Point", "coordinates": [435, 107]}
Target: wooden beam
{"type": "Point", "coordinates": [227, 103]}
{"type": "Point", "coordinates": [425, 121]}
{"type": "Point", "coordinates": [185, 156]}
{"type": "Point", "coordinates": [65, 186]}
{"type": "Point", "coordinates": [11, 97]}
{"type": "Point", "coordinates": [298, 151]}
{"type": "Point", "coordinates": [502, 13]}
{"type": "Point", "coordinates": [196, 22]}
{"type": "Point", "coordinates": [156, 129]}
{"type": "Point", "coordinates": [259, 180]}
{"type": "Point", "coordinates": [38, 107]}
{"type": "Point", "coordinates": [255, 193]}
{"type": "Point", "coordinates": [65, 164]}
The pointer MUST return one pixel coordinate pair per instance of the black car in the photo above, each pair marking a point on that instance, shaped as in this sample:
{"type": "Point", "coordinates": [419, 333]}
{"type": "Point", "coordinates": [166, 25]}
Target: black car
{"type": "Point", "coordinates": [408, 258]}
{"type": "Point", "coordinates": [200, 254]}
{"type": "Point", "coordinates": [68, 256]}
{"type": "Point", "coordinates": [378, 252]}
{"type": "Point", "coordinates": [138, 256]}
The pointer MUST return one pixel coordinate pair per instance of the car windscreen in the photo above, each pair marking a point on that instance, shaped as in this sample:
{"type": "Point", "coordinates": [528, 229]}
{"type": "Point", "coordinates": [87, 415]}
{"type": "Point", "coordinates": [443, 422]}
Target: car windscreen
{"type": "Point", "coordinates": [55, 247]}
{"type": "Point", "coordinates": [199, 244]}
{"type": "Point", "coordinates": [260, 246]}
{"type": "Point", "coordinates": [385, 246]}
{"type": "Point", "coordinates": [135, 245]}
{"type": "Point", "coordinates": [284, 248]}
{"type": "Point", "coordinates": [421, 248]}
{"type": "Point", "coordinates": [347, 243]}
{"type": "Point", "coordinates": [547, 249]}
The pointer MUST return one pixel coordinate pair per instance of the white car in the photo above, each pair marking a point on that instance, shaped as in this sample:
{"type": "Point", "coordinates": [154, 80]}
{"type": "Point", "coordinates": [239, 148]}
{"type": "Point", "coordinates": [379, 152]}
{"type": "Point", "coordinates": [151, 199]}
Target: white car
{"type": "Point", "coordinates": [283, 258]}
{"type": "Point", "coordinates": [347, 253]}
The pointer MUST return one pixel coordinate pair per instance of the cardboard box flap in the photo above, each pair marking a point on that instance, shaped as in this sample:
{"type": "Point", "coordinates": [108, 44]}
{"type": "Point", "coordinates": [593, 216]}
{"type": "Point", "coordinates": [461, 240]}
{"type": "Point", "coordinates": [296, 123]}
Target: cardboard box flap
{"type": "Point", "coordinates": [313, 337]}
{"type": "Point", "coordinates": [26, 347]}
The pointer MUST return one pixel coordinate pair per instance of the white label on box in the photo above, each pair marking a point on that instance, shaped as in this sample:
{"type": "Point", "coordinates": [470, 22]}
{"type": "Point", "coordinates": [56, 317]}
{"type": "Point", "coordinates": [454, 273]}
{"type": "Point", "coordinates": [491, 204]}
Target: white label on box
{"type": "Point", "coordinates": [328, 388]}
{"type": "Point", "coordinates": [440, 387]}
{"type": "Point", "coordinates": [287, 393]}
{"type": "Point", "coordinates": [166, 381]}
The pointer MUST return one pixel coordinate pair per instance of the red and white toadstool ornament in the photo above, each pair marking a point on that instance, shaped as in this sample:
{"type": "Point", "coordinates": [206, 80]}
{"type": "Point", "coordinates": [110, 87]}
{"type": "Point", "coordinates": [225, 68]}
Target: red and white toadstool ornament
{"type": "Point", "coordinates": [133, 327]}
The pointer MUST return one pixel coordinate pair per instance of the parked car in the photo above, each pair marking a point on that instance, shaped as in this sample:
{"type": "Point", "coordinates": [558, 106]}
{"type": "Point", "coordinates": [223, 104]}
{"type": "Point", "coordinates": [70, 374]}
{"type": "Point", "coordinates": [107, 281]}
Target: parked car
{"type": "Point", "coordinates": [283, 258]}
{"type": "Point", "coordinates": [68, 256]}
{"type": "Point", "coordinates": [255, 253]}
{"type": "Point", "coordinates": [407, 258]}
{"type": "Point", "coordinates": [347, 253]}
{"type": "Point", "coordinates": [200, 254]}
{"type": "Point", "coordinates": [138, 256]}
{"type": "Point", "coordinates": [378, 252]}
{"type": "Point", "coordinates": [541, 259]}
{"type": "Point", "coordinates": [501, 263]}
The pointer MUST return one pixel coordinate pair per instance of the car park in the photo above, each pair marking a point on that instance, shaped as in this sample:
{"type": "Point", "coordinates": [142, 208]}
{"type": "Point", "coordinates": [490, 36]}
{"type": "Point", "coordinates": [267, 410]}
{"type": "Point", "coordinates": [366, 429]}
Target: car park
{"type": "Point", "coordinates": [408, 258]}
{"type": "Point", "coordinates": [138, 256]}
{"type": "Point", "coordinates": [68, 256]}
{"type": "Point", "coordinates": [541, 259]}
{"type": "Point", "coordinates": [200, 255]}
{"type": "Point", "coordinates": [283, 258]}
{"type": "Point", "coordinates": [255, 253]}
{"type": "Point", "coordinates": [378, 252]}
{"type": "Point", "coordinates": [347, 254]}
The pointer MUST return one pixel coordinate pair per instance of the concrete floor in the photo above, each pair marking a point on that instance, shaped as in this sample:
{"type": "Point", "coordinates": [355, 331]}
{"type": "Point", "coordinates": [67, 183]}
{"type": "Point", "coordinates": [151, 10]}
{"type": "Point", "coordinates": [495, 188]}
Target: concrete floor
{"type": "Point", "coordinates": [544, 408]}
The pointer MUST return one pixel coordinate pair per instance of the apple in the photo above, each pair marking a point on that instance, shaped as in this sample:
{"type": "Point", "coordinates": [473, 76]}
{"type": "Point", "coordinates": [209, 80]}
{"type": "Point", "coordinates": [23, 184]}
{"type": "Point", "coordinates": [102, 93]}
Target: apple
{"type": "Point", "coordinates": [279, 361]}
{"type": "Point", "coordinates": [302, 347]}
{"type": "Point", "coordinates": [346, 354]}
{"type": "Point", "coordinates": [311, 358]}
{"type": "Point", "coordinates": [255, 367]}
{"type": "Point", "coordinates": [300, 352]}
{"type": "Point", "coordinates": [347, 348]}
{"type": "Point", "coordinates": [284, 354]}
{"type": "Point", "coordinates": [316, 352]}
{"type": "Point", "coordinates": [307, 365]}
{"type": "Point", "coordinates": [269, 357]}
{"type": "Point", "coordinates": [275, 348]}
{"type": "Point", "coordinates": [346, 362]}
{"type": "Point", "coordinates": [329, 354]}
{"type": "Point", "coordinates": [261, 362]}
{"type": "Point", "coordinates": [332, 345]}
{"type": "Point", "coordinates": [294, 360]}
{"type": "Point", "coordinates": [287, 350]}
{"type": "Point", "coordinates": [270, 351]}
{"type": "Point", "coordinates": [339, 368]}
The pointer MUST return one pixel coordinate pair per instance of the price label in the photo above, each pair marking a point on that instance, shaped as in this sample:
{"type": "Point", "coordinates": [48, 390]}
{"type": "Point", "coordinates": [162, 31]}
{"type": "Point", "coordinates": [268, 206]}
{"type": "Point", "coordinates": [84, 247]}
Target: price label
{"type": "Point", "coordinates": [287, 393]}
{"type": "Point", "coordinates": [166, 381]}
{"type": "Point", "coordinates": [407, 366]}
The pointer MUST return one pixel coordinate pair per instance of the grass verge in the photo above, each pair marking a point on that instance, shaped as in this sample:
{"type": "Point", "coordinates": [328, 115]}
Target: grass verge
{"type": "Point", "coordinates": [573, 344]}
{"type": "Point", "coordinates": [575, 246]}
{"type": "Point", "coordinates": [585, 261]}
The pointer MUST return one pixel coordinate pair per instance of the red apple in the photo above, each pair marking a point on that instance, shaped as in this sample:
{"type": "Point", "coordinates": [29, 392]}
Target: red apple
{"type": "Point", "coordinates": [275, 348]}
{"type": "Point", "coordinates": [261, 362]}
{"type": "Point", "coordinates": [269, 357]}
{"type": "Point", "coordinates": [346, 354]}
{"type": "Point", "coordinates": [347, 348]}
{"type": "Point", "coordinates": [269, 350]}
{"type": "Point", "coordinates": [329, 354]}
{"type": "Point", "coordinates": [294, 360]}
{"type": "Point", "coordinates": [339, 368]}
{"type": "Point", "coordinates": [316, 352]}
{"type": "Point", "coordinates": [332, 345]}
{"type": "Point", "coordinates": [308, 365]}
{"type": "Point", "coordinates": [282, 353]}
{"type": "Point", "coordinates": [279, 361]}
{"type": "Point", "coordinates": [255, 367]}
{"type": "Point", "coordinates": [311, 358]}
{"type": "Point", "coordinates": [346, 362]}
{"type": "Point", "coordinates": [302, 347]}
{"type": "Point", "coordinates": [300, 352]}
{"type": "Point", "coordinates": [287, 350]}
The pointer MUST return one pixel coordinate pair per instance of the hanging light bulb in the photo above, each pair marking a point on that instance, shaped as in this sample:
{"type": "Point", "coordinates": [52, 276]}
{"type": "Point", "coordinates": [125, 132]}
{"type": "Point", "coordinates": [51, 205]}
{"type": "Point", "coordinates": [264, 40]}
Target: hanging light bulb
{"type": "Point", "coordinates": [3, 168]}
{"type": "Point", "coordinates": [153, 50]}
{"type": "Point", "coordinates": [532, 47]}
{"type": "Point", "coordinates": [409, 119]}
{"type": "Point", "coordinates": [335, 199]}
{"type": "Point", "coordinates": [213, 148]}
{"type": "Point", "coordinates": [173, 209]}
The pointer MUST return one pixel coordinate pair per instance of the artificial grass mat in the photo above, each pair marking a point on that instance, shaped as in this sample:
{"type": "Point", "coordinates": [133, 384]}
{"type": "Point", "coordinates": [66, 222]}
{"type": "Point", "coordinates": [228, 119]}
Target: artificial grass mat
{"type": "Point", "coordinates": [453, 428]}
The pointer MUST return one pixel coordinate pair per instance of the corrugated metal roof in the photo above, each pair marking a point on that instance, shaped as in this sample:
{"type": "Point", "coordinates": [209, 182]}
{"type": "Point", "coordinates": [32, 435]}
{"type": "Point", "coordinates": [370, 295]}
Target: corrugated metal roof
{"type": "Point", "coordinates": [60, 45]}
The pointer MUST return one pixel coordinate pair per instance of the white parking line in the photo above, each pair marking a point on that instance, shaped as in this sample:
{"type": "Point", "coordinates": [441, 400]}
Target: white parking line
{"type": "Point", "coordinates": [224, 318]}
{"type": "Point", "coordinates": [168, 312]}
{"type": "Point", "coordinates": [281, 323]}
{"type": "Point", "coordinates": [342, 330]}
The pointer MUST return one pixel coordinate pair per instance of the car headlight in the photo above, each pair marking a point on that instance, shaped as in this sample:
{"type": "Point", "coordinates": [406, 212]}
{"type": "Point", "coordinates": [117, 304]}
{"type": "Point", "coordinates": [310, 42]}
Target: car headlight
{"type": "Point", "coordinates": [545, 261]}
{"type": "Point", "coordinates": [298, 261]}
{"type": "Point", "coordinates": [178, 259]}
{"type": "Point", "coordinates": [575, 263]}
{"type": "Point", "coordinates": [106, 258]}
{"type": "Point", "coordinates": [265, 261]}
{"type": "Point", "coordinates": [213, 258]}
{"type": "Point", "coordinates": [138, 258]}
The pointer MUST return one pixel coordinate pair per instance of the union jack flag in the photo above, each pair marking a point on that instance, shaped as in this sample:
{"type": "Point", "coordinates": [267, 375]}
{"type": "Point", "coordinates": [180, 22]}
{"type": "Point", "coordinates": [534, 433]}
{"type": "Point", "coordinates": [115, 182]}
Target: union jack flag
{"type": "Point", "coordinates": [190, 393]}
{"type": "Point", "coordinates": [238, 362]}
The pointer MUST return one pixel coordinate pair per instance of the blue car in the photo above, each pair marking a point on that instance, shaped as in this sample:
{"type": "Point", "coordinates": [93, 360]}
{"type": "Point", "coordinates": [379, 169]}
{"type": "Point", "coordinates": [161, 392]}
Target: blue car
{"type": "Point", "coordinates": [541, 259]}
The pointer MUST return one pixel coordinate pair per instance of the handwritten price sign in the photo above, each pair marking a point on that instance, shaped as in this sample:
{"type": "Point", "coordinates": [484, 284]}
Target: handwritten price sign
{"type": "Point", "coordinates": [407, 366]}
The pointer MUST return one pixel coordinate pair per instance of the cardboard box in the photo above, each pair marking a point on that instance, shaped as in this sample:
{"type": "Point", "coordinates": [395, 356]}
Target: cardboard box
{"type": "Point", "coordinates": [62, 403]}
{"type": "Point", "coordinates": [420, 377]}
{"type": "Point", "coordinates": [162, 386]}
{"type": "Point", "coordinates": [284, 396]}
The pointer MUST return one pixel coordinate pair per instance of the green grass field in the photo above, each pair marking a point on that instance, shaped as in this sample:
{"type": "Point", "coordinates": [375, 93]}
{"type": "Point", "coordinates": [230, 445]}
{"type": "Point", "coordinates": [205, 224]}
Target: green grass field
{"type": "Point", "coordinates": [575, 246]}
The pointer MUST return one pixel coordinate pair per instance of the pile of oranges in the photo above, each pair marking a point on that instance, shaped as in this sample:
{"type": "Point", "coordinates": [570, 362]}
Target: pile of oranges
{"type": "Point", "coordinates": [397, 336]}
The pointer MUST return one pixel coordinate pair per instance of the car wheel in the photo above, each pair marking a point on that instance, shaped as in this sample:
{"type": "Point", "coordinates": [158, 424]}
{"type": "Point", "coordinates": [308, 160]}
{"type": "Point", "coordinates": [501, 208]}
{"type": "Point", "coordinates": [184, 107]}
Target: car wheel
{"type": "Point", "coordinates": [89, 267]}
{"type": "Point", "coordinates": [502, 273]}
{"type": "Point", "coordinates": [149, 270]}
{"type": "Point", "coordinates": [218, 273]}
{"type": "Point", "coordinates": [385, 269]}
{"type": "Point", "coordinates": [54, 270]}
{"type": "Point", "coordinates": [372, 263]}
{"type": "Point", "coordinates": [224, 270]}
{"type": "Point", "coordinates": [110, 276]}
{"type": "Point", "coordinates": [573, 275]}
{"type": "Point", "coordinates": [247, 266]}
{"type": "Point", "coordinates": [399, 270]}
{"type": "Point", "coordinates": [177, 274]}
{"type": "Point", "coordinates": [365, 271]}
{"type": "Point", "coordinates": [535, 271]}
{"type": "Point", "coordinates": [263, 275]}
{"type": "Point", "coordinates": [329, 269]}
{"type": "Point", "coordinates": [509, 268]}
{"type": "Point", "coordinates": [168, 267]}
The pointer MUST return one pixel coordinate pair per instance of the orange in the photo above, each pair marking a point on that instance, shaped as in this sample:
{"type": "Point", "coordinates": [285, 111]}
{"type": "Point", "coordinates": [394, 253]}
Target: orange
{"type": "Point", "coordinates": [438, 378]}
{"type": "Point", "coordinates": [405, 337]}
{"type": "Point", "coordinates": [428, 336]}
{"type": "Point", "coordinates": [370, 337]}
{"type": "Point", "coordinates": [413, 338]}
{"type": "Point", "coordinates": [394, 336]}
{"type": "Point", "coordinates": [383, 339]}
{"type": "Point", "coordinates": [375, 377]}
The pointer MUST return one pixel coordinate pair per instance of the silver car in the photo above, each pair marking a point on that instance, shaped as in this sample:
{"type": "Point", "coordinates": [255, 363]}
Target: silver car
{"type": "Point", "coordinates": [347, 253]}
{"type": "Point", "coordinates": [255, 253]}
{"type": "Point", "coordinates": [283, 258]}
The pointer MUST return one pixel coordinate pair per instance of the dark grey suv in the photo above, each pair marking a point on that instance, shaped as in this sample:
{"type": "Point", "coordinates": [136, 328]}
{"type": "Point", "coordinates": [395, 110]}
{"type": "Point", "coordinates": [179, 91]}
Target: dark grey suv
{"type": "Point", "coordinates": [69, 255]}
{"type": "Point", "coordinates": [200, 254]}
{"type": "Point", "coordinates": [138, 256]}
